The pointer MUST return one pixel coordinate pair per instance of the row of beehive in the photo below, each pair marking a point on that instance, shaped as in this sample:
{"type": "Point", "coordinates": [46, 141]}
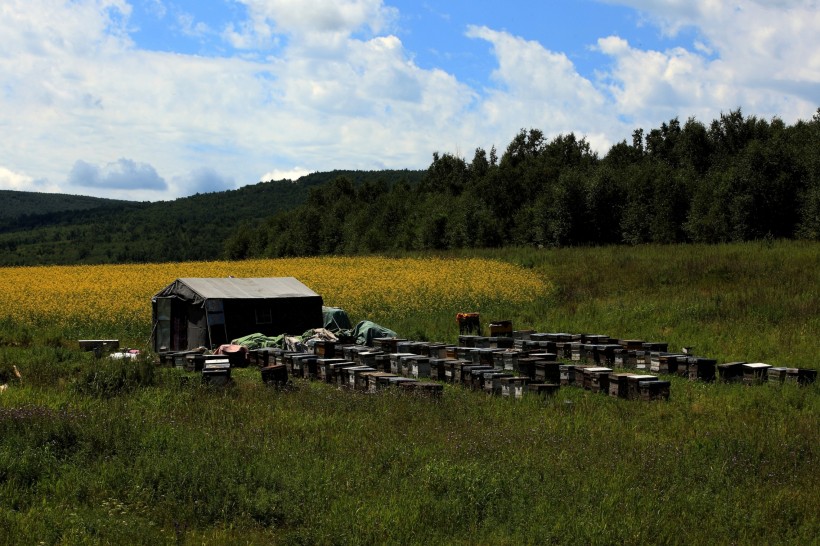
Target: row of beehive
{"type": "Point", "coordinates": [509, 366]}
{"type": "Point", "coordinates": [410, 364]}
{"type": "Point", "coordinates": [652, 357]}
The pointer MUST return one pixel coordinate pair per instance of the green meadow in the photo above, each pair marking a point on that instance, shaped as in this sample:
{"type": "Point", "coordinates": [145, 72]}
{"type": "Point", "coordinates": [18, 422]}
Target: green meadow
{"type": "Point", "coordinates": [111, 452]}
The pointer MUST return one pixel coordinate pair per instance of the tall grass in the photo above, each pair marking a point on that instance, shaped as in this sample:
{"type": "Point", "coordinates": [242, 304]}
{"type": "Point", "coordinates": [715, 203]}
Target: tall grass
{"type": "Point", "coordinates": [98, 452]}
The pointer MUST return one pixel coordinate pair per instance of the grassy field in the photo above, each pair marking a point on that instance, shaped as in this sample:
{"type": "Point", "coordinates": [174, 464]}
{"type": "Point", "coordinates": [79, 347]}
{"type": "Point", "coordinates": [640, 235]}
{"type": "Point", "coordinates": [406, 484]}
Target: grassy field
{"type": "Point", "coordinates": [96, 452]}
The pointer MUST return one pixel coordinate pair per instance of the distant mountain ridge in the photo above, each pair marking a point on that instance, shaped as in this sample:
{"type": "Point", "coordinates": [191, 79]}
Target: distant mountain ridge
{"type": "Point", "coordinates": [43, 229]}
{"type": "Point", "coordinates": [23, 203]}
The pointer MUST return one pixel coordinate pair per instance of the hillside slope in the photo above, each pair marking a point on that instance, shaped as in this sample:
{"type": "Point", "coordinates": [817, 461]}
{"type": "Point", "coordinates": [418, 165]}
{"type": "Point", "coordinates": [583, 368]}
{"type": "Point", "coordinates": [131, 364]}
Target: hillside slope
{"type": "Point", "coordinates": [189, 228]}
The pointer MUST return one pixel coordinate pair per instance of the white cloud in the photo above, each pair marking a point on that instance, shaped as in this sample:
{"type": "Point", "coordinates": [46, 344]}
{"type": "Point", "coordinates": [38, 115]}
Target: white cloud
{"type": "Point", "coordinates": [203, 180]}
{"type": "Point", "coordinates": [123, 174]}
{"type": "Point", "coordinates": [760, 55]}
{"type": "Point", "coordinates": [286, 174]}
{"type": "Point", "coordinates": [10, 180]}
{"type": "Point", "coordinates": [541, 88]}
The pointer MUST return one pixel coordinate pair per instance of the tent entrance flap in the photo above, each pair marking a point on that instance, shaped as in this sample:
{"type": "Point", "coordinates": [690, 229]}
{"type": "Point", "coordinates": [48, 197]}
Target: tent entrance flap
{"type": "Point", "coordinates": [163, 325]}
{"type": "Point", "coordinates": [217, 331]}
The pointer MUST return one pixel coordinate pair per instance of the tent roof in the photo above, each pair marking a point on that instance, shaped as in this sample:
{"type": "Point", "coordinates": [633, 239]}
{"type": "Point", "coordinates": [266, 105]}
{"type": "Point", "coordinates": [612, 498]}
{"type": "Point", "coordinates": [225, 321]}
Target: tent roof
{"type": "Point", "coordinates": [200, 289]}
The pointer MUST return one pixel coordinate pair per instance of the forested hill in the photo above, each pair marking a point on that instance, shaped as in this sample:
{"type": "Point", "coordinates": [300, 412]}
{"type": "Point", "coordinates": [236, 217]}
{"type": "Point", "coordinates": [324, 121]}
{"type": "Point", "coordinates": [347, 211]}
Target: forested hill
{"type": "Point", "coordinates": [90, 230]}
{"type": "Point", "coordinates": [17, 204]}
{"type": "Point", "coordinates": [737, 178]}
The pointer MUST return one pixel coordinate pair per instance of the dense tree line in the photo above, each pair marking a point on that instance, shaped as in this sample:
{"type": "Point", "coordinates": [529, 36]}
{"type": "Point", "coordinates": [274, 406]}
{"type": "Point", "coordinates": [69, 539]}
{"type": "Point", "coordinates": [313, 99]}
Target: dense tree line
{"type": "Point", "coordinates": [738, 178]}
{"type": "Point", "coordinates": [54, 229]}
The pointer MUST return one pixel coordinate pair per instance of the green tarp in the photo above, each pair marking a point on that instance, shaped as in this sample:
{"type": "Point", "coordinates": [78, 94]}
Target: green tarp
{"type": "Point", "coordinates": [335, 319]}
{"type": "Point", "coordinates": [258, 341]}
{"type": "Point", "coordinates": [365, 332]}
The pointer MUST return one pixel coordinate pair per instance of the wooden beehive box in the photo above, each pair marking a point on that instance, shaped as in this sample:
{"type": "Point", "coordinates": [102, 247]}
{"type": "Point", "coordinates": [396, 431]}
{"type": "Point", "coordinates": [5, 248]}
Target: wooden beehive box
{"type": "Point", "coordinates": [386, 344]}
{"type": "Point", "coordinates": [619, 385]}
{"type": "Point", "coordinates": [476, 378]}
{"type": "Point", "coordinates": [566, 374]}
{"type": "Point", "coordinates": [373, 378]}
{"type": "Point", "coordinates": [323, 369]}
{"type": "Point", "coordinates": [547, 372]}
{"type": "Point", "coordinates": [217, 372]}
{"type": "Point", "coordinates": [702, 369]}
{"type": "Point", "coordinates": [522, 334]}
{"type": "Point", "coordinates": [194, 362]}
{"type": "Point", "coordinates": [275, 375]}
{"type": "Point", "coordinates": [307, 364]}
{"type": "Point", "coordinates": [596, 379]}
{"type": "Point", "coordinates": [421, 348]}
{"type": "Point", "coordinates": [368, 358]}
{"type": "Point", "coordinates": [437, 350]}
{"type": "Point", "coordinates": [502, 342]}
{"type": "Point", "coordinates": [179, 358]}
{"type": "Point", "coordinates": [383, 381]}
{"type": "Point", "coordinates": [731, 371]}
{"type": "Point", "coordinates": [492, 382]}
{"type": "Point", "coordinates": [508, 385]}
{"type": "Point", "coordinates": [467, 341]}
{"type": "Point", "coordinates": [404, 364]}
{"type": "Point", "coordinates": [282, 358]}
{"type": "Point", "coordinates": [501, 328]}
{"type": "Point", "coordinates": [337, 376]}
{"type": "Point", "coordinates": [545, 356]}
{"type": "Point", "coordinates": [654, 390]}
{"type": "Point", "coordinates": [526, 366]}
{"type": "Point", "coordinates": [579, 373]}
{"type": "Point", "coordinates": [357, 377]}
{"type": "Point", "coordinates": [451, 369]}
{"type": "Point", "coordinates": [99, 346]}
{"type": "Point", "coordinates": [804, 376]}
{"type": "Point", "coordinates": [399, 380]}
{"type": "Point", "coordinates": [655, 361]}
{"type": "Point", "coordinates": [482, 342]}
{"type": "Point", "coordinates": [755, 373]}
{"type": "Point", "coordinates": [256, 358]}
{"type": "Point", "coordinates": [423, 388]}
{"type": "Point", "coordinates": [510, 360]}
{"type": "Point", "coordinates": [588, 353]}
{"type": "Point", "coordinates": [642, 360]}
{"type": "Point", "coordinates": [656, 346]}
{"type": "Point", "coordinates": [388, 380]}
{"type": "Point", "coordinates": [626, 358]}
{"type": "Point", "coordinates": [325, 349]}
{"type": "Point", "coordinates": [420, 367]}
{"type": "Point", "coordinates": [437, 369]}
{"type": "Point", "coordinates": [486, 357]}
{"type": "Point", "coordinates": [634, 381]}
{"type": "Point", "coordinates": [542, 389]}
{"type": "Point", "coordinates": [669, 363]}
{"type": "Point", "coordinates": [464, 353]}
{"type": "Point", "coordinates": [294, 364]}
{"type": "Point", "coordinates": [631, 344]}
{"type": "Point", "coordinates": [382, 362]}
{"type": "Point", "coordinates": [395, 362]}
{"type": "Point", "coordinates": [605, 354]}
{"type": "Point", "coordinates": [777, 375]}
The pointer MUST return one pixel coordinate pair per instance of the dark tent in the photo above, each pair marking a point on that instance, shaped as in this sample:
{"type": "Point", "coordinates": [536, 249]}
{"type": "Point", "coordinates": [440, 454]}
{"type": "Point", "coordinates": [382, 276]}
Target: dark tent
{"type": "Point", "coordinates": [190, 313]}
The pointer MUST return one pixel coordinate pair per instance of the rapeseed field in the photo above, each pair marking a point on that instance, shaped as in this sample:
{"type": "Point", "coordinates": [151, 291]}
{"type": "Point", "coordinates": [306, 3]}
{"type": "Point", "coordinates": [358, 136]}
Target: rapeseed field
{"type": "Point", "coordinates": [65, 296]}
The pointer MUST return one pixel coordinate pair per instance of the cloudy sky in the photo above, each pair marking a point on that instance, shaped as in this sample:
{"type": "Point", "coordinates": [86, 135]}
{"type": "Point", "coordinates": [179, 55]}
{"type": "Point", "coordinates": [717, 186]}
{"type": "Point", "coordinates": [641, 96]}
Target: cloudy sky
{"type": "Point", "coordinates": [155, 99]}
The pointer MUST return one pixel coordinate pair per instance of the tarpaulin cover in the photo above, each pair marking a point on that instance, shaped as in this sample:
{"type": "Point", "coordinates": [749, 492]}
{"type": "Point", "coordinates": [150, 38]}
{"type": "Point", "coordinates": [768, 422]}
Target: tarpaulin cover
{"type": "Point", "coordinates": [259, 341]}
{"type": "Point", "coordinates": [366, 331]}
{"type": "Point", "coordinates": [335, 319]}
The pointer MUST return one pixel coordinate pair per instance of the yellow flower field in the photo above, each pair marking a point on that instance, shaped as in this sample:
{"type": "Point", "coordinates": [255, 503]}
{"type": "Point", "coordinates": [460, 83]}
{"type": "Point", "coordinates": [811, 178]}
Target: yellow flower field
{"type": "Point", "coordinates": [364, 286]}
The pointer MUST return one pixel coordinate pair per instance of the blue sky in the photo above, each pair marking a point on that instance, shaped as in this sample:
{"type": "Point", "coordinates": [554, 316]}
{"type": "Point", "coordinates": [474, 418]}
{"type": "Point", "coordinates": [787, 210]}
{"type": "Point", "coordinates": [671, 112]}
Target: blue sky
{"type": "Point", "coordinates": [155, 99]}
